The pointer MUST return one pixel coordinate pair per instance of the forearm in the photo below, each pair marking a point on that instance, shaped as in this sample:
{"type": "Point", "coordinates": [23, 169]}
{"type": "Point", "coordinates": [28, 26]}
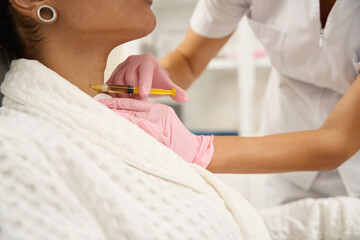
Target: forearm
{"type": "Point", "coordinates": [179, 68]}
{"type": "Point", "coordinates": [324, 149]}
{"type": "Point", "coordinates": [345, 118]}
{"type": "Point", "coordinates": [191, 57]}
{"type": "Point", "coordinates": [299, 151]}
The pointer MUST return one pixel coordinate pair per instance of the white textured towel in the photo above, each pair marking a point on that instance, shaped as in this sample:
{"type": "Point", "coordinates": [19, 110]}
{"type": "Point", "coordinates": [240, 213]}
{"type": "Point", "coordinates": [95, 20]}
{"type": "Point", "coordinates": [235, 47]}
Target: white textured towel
{"type": "Point", "coordinates": [72, 169]}
{"type": "Point", "coordinates": [315, 219]}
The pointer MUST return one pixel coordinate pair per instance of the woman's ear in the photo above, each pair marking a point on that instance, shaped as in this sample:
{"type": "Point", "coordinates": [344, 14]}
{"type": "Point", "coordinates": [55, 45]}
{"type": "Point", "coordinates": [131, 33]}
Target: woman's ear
{"type": "Point", "coordinates": [38, 10]}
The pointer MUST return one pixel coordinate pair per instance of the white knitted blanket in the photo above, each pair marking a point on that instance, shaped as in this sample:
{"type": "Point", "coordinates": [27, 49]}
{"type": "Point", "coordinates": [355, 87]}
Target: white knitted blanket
{"type": "Point", "coordinates": [72, 169]}
{"type": "Point", "coordinates": [315, 219]}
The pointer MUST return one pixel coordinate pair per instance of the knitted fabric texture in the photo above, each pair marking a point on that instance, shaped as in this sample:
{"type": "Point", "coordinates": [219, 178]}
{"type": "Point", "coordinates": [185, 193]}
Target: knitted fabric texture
{"type": "Point", "coordinates": [313, 219]}
{"type": "Point", "coordinates": [70, 168]}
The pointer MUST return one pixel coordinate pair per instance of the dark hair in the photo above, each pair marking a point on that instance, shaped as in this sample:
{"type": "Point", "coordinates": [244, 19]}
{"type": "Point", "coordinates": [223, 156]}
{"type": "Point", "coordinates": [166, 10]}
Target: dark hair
{"type": "Point", "coordinates": [10, 42]}
{"type": "Point", "coordinates": [18, 33]}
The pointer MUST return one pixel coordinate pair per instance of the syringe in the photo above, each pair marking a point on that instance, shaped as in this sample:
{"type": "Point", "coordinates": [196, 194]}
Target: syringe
{"type": "Point", "coordinates": [115, 88]}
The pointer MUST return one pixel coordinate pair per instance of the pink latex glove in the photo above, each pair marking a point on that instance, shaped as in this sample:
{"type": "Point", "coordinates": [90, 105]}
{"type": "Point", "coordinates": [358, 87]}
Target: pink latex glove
{"type": "Point", "coordinates": [162, 123]}
{"type": "Point", "coordinates": [143, 71]}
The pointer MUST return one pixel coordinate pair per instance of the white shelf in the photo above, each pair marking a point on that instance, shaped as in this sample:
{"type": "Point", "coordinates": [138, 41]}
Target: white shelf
{"type": "Point", "coordinates": [263, 62]}
{"type": "Point", "coordinates": [222, 64]}
{"type": "Point", "coordinates": [173, 4]}
{"type": "Point", "coordinates": [228, 64]}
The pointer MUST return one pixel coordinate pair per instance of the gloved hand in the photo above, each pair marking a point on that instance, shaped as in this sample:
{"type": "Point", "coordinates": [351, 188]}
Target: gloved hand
{"type": "Point", "coordinates": [162, 123]}
{"type": "Point", "coordinates": [143, 71]}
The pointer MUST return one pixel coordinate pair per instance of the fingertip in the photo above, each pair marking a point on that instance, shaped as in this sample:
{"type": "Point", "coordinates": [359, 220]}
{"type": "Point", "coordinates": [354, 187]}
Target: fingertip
{"type": "Point", "coordinates": [180, 99]}
{"type": "Point", "coordinates": [181, 96]}
{"type": "Point", "coordinates": [144, 88]}
{"type": "Point", "coordinates": [143, 94]}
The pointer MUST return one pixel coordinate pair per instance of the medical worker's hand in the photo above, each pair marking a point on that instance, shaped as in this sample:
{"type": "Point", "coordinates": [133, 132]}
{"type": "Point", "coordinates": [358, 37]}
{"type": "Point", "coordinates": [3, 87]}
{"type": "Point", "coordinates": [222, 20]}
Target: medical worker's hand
{"type": "Point", "coordinates": [143, 71]}
{"type": "Point", "coordinates": [162, 123]}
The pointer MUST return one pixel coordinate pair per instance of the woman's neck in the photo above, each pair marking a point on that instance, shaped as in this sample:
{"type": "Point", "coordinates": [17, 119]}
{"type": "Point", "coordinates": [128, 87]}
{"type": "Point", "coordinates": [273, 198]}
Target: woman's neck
{"type": "Point", "coordinates": [80, 64]}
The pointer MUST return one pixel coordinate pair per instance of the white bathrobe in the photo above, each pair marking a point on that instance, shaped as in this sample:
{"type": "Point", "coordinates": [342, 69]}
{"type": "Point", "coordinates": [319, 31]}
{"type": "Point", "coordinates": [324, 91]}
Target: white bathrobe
{"type": "Point", "coordinates": [72, 169]}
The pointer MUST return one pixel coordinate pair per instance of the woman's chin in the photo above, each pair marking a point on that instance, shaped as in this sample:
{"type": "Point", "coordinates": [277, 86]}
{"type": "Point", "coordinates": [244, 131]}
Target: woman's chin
{"type": "Point", "coordinates": [131, 34]}
{"type": "Point", "coordinates": [149, 28]}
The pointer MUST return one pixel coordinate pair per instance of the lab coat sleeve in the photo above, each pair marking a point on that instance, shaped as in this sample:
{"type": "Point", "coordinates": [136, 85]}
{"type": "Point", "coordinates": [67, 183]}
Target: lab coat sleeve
{"type": "Point", "coordinates": [217, 18]}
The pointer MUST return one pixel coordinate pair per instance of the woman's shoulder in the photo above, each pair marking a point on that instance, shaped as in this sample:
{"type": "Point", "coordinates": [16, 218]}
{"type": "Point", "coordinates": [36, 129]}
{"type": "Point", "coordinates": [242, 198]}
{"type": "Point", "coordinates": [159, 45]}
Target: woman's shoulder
{"type": "Point", "coordinates": [21, 147]}
{"type": "Point", "coordinates": [21, 132]}
{"type": "Point", "coordinates": [30, 187]}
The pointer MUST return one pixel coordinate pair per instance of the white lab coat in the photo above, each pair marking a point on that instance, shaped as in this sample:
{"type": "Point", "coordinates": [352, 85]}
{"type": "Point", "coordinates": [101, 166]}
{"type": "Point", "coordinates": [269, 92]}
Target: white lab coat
{"type": "Point", "coordinates": [313, 68]}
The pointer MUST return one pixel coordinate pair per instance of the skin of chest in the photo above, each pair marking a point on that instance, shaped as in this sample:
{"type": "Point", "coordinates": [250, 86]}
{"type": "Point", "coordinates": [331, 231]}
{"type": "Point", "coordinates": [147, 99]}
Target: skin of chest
{"type": "Point", "coordinates": [325, 8]}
